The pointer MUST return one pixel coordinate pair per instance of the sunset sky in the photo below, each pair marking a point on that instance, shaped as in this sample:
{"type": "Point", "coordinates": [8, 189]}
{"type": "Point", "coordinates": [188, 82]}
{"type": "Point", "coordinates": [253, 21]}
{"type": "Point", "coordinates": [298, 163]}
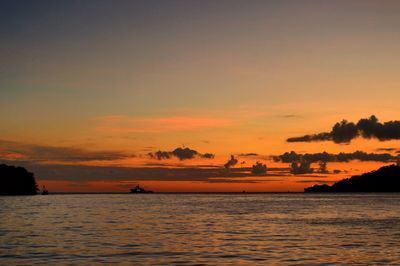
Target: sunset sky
{"type": "Point", "coordinates": [91, 90]}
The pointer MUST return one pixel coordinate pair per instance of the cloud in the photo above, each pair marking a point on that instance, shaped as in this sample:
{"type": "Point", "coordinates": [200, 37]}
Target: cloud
{"type": "Point", "coordinates": [388, 149]}
{"type": "Point", "coordinates": [180, 153]}
{"type": "Point", "coordinates": [301, 163]}
{"type": "Point", "coordinates": [303, 167]}
{"type": "Point", "coordinates": [371, 128]}
{"type": "Point", "coordinates": [290, 157]}
{"type": "Point", "coordinates": [184, 154]}
{"type": "Point", "coordinates": [231, 162]}
{"type": "Point", "coordinates": [125, 124]}
{"type": "Point", "coordinates": [310, 138]}
{"type": "Point", "coordinates": [290, 116]}
{"type": "Point", "coordinates": [21, 151]}
{"type": "Point", "coordinates": [259, 169]}
{"type": "Point", "coordinates": [344, 131]}
{"type": "Point", "coordinates": [159, 155]}
{"type": "Point", "coordinates": [248, 154]}
{"type": "Point", "coordinates": [83, 173]}
{"type": "Point", "coordinates": [208, 155]}
{"type": "Point", "coordinates": [323, 169]}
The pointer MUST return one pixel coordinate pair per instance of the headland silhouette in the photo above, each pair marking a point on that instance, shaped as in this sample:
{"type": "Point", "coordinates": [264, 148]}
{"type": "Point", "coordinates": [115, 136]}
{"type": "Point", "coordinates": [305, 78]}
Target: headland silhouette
{"type": "Point", "coordinates": [16, 181]}
{"type": "Point", "coordinates": [385, 179]}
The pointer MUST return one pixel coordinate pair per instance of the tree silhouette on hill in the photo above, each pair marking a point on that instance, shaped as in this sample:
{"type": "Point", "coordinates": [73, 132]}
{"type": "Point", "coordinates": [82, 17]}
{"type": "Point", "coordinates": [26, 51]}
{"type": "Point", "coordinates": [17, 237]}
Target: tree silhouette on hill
{"type": "Point", "coordinates": [385, 179]}
{"type": "Point", "coordinates": [16, 181]}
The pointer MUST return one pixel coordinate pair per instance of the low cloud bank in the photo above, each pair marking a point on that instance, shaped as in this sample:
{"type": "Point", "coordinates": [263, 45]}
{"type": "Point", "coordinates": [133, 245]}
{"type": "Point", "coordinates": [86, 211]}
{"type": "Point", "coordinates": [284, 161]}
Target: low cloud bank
{"type": "Point", "coordinates": [289, 157]}
{"type": "Point", "coordinates": [82, 173]}
{"type": "Point", "coordinates": [301, 163]}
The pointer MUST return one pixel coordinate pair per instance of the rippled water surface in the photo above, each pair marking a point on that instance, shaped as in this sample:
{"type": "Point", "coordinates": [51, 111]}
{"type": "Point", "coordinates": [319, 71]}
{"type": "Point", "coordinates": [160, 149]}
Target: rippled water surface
{"type": "Point", "coordinates": [201, 229]}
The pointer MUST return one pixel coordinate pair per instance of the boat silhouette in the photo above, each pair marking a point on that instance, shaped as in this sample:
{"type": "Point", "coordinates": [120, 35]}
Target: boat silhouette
{"type": "Point", "coordinates": [139, 189]}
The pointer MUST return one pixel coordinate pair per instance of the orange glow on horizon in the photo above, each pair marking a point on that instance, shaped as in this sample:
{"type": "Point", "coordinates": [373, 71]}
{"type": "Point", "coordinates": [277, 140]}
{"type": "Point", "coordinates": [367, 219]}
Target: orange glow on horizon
{"type": "Point", "coordinates": [290, 183]}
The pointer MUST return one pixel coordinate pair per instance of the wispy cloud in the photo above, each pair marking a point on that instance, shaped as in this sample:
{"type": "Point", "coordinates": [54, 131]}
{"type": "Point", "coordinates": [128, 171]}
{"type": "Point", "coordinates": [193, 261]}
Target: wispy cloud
{"type": "Point", "coordinates": [11, 150]}
{"type": "Point", "coordinates": [126, 124]}
{"type": "Point", "coordinates": [388, 149]}
{"type": "Point", "coordinates": [290, 116]}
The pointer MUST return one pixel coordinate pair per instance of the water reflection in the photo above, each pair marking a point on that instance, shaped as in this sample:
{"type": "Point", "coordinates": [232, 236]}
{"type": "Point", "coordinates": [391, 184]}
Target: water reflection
{"type": "Point", "coordinates": [200, 229]}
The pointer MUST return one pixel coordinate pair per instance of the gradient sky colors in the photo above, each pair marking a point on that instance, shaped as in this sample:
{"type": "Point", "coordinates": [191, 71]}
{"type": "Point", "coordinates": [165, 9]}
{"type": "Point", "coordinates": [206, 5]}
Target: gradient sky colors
{"type": "Point", "coordinates": [88, 89]}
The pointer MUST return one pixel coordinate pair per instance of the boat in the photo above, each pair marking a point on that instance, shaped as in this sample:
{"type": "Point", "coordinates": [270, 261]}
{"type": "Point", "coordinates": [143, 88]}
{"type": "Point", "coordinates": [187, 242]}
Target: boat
{"type": "Point", "coordinates": [139, 189]}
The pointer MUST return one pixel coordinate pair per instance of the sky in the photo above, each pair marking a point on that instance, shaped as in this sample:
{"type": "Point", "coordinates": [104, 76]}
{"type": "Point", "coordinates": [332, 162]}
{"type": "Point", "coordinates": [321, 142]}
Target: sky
{"type": "Point", "coordinates": [91, 90]}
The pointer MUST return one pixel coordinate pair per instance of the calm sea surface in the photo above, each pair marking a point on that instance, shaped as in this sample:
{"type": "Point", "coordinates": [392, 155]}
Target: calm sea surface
{"type": "Point", "coordinates": [201, 229]}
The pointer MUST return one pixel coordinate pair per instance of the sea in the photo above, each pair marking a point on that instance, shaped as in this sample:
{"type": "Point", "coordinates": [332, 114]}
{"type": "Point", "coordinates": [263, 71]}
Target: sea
{"type": "Point", "coordinates": [200, 229]}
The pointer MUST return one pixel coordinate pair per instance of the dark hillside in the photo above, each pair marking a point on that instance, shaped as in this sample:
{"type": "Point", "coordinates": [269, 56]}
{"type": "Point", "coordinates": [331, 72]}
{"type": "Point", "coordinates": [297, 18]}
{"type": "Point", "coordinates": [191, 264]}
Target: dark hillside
{"type": "Point", "coordinates": [16, 181]}
{"type": "Point", "coordinates": [385, 179]}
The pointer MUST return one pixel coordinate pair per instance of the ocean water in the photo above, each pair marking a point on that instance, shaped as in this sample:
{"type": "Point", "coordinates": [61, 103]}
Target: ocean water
{"type": "Point", "coordinates": [201, 229]}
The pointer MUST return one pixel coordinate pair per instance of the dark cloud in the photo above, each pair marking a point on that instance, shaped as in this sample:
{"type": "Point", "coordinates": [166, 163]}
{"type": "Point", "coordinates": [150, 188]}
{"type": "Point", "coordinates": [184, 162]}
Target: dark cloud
{"type": "Point", "coordinates": [159, 155]}
{"type": "Point", "coordinates": [248, 154]}
{"type": "Point", "coordinates": [259, 169]}
{"type": "Point", "coordinates": [323, 169]}
{"type": "Point", "coordinates": [208, 155]}
{"type": "Point", "coordinates": [231, 162]}
{"type": "Point", "coordinates": [50, 153]}
{"type": "Point", "coordinates": [180, 153]}
{"type": "Point", "coordinates": [303, 167]}
{"type": "Point", "coordinates": [310, 138]}
{"type": "Point", "coordinates": [344, 131]}
{"type": "Point", "coordinates": [184, 154]}
{"type": "Point", "coordinates": [289, 157]}
{"type": "Point", "coordinates": [387, 149]}
{"type": "Point", "coordinates": [372, 128]}
{"type": "Point", "coordinates": [301, 163]}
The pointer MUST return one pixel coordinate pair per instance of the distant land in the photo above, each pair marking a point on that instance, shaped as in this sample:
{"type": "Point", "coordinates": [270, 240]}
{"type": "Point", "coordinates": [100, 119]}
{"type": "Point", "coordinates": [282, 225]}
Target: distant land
{"type": "Point", "coordinates": [385, 179]}
{"type": "Point", "coordinates": [16, 181]}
